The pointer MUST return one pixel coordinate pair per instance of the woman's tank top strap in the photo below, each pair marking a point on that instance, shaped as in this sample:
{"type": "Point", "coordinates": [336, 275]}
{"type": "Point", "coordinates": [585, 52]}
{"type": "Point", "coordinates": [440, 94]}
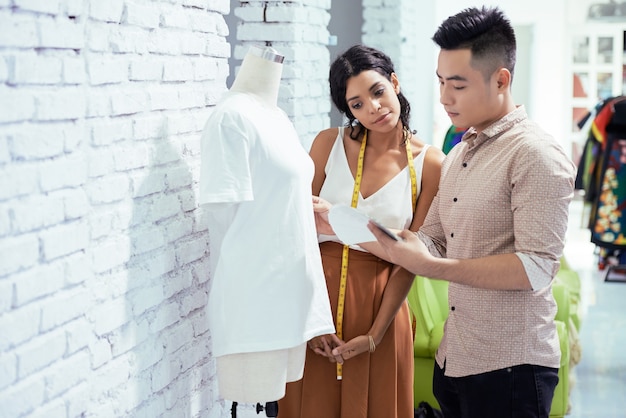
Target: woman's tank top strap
{"type": "Point", "coordinates": [420, 158]}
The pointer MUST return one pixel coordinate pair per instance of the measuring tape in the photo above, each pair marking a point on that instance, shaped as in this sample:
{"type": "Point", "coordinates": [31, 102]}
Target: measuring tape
{"type": "Point", "coordinates": [346, 248]}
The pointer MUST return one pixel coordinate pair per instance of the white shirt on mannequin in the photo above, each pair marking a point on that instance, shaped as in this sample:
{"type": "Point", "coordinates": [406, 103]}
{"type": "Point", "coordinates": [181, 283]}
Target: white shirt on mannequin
{"type": "Point", "coordinates": [268, 295]}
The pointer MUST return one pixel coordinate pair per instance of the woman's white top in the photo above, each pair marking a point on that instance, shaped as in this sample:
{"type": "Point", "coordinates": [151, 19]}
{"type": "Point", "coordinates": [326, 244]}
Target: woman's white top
{"type": "Point", "coordinates": [390, 205]}
{"type": "Point", "coordinates": [268, 290]}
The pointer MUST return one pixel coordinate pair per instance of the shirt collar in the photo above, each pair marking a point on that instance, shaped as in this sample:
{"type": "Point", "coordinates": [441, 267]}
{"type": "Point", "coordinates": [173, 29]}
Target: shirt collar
{"type": "Point", "coordinates": [503, 124]}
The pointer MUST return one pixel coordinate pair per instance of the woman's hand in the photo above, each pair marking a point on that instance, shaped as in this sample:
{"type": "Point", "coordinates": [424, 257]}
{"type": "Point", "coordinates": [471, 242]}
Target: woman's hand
{"type": "Point", "coordinates": [320, 209]}
{"type": "Point", "coordinates": [352, 348]}
{"type": "Point", "coordinates": [323, 345]}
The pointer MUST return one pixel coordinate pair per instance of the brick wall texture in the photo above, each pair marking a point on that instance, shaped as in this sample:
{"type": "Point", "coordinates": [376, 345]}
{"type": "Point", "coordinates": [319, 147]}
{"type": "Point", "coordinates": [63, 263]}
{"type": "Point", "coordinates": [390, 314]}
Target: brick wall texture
{"type": "Point", "coordinates": [103, 247]}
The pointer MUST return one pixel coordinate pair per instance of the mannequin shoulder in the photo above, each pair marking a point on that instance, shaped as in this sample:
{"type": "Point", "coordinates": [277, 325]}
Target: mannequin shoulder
{"type": "Point", "coordinates": [236, 105]}
{"type": "Point", "coordinates": [229, 110]}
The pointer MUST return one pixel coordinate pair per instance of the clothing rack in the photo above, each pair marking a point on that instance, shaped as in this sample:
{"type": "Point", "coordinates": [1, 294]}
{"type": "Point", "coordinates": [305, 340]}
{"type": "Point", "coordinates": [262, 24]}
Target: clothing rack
{"type": "Point", "coordinates": [602, 175]}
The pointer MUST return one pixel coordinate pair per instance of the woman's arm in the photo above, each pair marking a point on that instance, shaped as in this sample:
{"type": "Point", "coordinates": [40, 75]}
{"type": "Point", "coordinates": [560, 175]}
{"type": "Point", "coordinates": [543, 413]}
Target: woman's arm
{"type": "Point", "coordinates": [319, 152]}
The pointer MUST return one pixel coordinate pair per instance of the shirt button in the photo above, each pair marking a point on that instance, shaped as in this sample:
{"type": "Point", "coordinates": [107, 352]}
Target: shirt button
{"type": "Point", "coordinates": [464, 164]}
{"type": "Point", "coordinates": [452, 235]}
{"type": "Point", "coordinates": [455, 199]}
{"type": "Point", "coordinates": [452, 308]}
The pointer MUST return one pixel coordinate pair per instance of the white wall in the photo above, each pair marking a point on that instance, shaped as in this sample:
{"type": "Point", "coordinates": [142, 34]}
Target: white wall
{"type": "Point", "coordinates": [402, 29]}
{"type": "Point", "coordinates": [346, 36]}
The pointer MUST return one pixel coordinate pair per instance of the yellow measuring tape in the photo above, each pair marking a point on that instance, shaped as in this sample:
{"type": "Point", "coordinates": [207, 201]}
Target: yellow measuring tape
{"type": "Point", "coordinates": [346, 249]}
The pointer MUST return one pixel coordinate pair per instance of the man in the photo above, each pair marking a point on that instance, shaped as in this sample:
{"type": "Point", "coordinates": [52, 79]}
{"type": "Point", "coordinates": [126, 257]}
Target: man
{"type": "Point", "coordinates": [495, 231]}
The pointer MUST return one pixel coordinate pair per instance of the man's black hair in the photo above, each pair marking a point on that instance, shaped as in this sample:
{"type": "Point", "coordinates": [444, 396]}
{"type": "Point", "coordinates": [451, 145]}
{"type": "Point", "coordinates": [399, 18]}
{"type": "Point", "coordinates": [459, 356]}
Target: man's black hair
{"type": "Point", "coordinates": [486, 32]}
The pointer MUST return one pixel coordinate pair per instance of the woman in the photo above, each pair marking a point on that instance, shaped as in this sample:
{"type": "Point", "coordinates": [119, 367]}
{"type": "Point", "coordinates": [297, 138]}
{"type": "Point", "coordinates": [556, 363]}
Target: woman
{"type": "Point", "coordinates": [370, 371]}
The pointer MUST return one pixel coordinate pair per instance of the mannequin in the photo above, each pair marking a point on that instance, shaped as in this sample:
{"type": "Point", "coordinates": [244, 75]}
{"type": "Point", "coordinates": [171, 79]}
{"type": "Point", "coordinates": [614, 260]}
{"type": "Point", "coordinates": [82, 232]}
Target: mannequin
{"type": "Point", "coordinates": [260, 74]}
{"type": "Point", "coordinates": [268, 294]}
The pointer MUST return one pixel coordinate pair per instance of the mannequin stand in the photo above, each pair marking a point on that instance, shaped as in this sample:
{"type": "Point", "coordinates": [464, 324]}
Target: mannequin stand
{"type": "Point", "coordinates": [271, 409]}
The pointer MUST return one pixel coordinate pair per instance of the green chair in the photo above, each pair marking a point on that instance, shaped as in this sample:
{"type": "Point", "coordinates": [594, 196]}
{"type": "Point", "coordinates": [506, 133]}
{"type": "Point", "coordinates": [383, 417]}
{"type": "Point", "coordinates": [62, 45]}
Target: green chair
{"type": "Point", "coordinates": [571, 280]}
{"type": "Point", "coordinates": [560, 401]}
{"type": "Point", "coordinates": [428, 302]}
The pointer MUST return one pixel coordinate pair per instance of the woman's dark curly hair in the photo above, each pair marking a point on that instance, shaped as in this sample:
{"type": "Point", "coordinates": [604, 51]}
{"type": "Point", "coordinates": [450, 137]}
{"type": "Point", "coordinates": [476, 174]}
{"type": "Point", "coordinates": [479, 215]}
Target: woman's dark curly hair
{"type": "Point", "coordinates": [351, 63]}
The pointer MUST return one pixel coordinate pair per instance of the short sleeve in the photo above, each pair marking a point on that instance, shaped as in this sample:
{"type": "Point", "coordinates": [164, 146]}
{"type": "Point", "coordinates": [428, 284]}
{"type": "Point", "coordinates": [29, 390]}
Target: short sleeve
{"type": "Point", "coordinates": [225, 163]}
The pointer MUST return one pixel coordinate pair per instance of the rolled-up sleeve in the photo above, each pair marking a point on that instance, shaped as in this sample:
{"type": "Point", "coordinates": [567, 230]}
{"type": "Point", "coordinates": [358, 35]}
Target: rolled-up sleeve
{"type": "Point", "coordinates": [543, 186]}
{"type": "Point", "coordinates": [434, 249]}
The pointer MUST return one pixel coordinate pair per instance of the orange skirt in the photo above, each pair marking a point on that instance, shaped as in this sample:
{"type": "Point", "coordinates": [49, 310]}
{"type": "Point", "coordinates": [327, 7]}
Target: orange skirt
{"type": "Point", "coordinates": [374, 385]}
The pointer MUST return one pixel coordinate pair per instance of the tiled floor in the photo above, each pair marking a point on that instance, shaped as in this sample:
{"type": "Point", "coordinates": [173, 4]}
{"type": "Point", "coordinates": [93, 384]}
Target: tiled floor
{"type": "Point", "coordinates": [599, 390]}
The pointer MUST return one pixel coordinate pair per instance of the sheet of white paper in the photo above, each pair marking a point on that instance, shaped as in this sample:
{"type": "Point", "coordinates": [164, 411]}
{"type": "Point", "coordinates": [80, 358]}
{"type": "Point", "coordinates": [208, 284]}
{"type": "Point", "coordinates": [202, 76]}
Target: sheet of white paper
{"type": "Point", "coordinates": [350, 225]}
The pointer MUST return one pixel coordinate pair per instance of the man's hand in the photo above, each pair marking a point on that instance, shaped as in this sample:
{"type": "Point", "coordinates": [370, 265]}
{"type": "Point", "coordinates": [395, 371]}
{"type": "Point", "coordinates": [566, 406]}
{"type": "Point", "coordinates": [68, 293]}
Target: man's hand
{"type": "Point", "coordinates": [410, 252]}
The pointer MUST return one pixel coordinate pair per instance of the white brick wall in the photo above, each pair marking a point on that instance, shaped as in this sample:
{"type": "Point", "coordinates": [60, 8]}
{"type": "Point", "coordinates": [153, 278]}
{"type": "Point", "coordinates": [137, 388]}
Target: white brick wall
{"type": "Point", "coordinates": [103, 252]}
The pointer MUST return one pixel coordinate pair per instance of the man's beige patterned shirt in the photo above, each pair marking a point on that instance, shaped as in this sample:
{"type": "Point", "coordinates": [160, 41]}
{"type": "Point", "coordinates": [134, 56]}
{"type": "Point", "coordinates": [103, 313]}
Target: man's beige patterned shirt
{"type": "Point", "coordinates": [505, 190]}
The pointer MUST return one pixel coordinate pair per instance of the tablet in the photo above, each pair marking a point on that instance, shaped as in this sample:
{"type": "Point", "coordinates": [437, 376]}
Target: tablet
{"type": "Point", "coordinates": [387, 231]}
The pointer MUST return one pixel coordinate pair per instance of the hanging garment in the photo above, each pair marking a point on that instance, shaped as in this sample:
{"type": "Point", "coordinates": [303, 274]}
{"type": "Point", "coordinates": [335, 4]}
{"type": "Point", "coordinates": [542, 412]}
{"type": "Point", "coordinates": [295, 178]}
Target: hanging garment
{"type": "Point", "coordinates": [589, 167]}
{"type": "Point", "coordinates": [604, 177]}
{"type": "Point", "coordinates": [453, 137]}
